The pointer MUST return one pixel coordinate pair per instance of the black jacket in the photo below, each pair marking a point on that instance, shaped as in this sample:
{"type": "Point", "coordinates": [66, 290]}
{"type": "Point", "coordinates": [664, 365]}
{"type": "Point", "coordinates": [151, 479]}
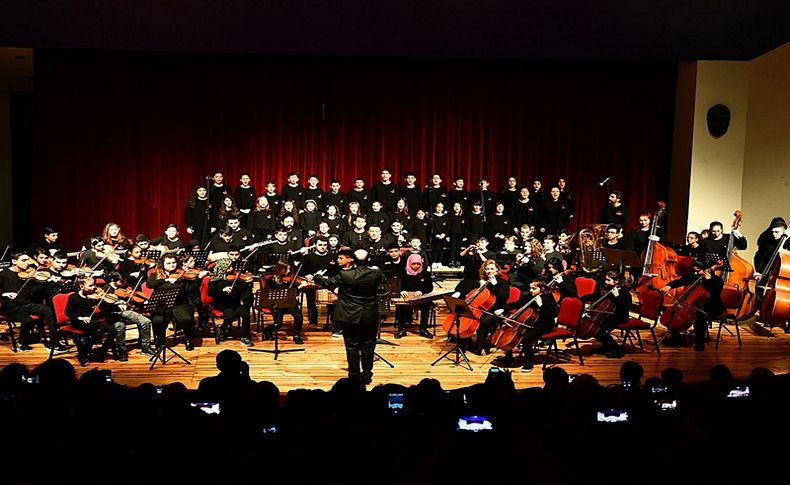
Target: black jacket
{"type": "Point", "coordinates": [358, 301]}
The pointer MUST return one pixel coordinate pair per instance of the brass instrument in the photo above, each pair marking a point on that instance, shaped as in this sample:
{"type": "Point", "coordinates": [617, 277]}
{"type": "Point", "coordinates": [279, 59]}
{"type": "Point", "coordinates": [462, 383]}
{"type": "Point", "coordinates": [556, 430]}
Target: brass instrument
{"type": "Point", "coordinates": [588, 240]}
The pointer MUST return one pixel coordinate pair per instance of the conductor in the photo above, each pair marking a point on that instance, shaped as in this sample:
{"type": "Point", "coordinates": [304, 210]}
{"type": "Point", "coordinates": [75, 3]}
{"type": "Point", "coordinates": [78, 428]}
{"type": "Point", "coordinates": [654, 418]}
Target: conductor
{"type": "Point", "coordinates": [357, 310]}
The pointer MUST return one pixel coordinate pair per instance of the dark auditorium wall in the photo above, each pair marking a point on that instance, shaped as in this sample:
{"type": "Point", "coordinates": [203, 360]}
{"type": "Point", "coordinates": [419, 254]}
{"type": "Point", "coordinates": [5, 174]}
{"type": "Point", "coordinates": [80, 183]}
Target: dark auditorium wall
{"type": "Point", "coordinates": [125, 136]}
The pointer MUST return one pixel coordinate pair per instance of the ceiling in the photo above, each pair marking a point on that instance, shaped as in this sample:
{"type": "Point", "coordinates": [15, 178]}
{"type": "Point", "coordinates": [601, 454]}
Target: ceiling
{"type": "Point", "coordinates": [664, 30]}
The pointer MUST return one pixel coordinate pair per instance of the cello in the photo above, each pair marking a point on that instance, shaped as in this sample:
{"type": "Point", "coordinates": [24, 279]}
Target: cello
{"type": "Point", "coordinates": [681, 316]}
{"type": "Point", "coordinates": [508, 335]}
{"type": "Point", "coordinates": [477, 300]}
{"type": "Point", "coordinates": [740, 278]}
{"type": "Point", "coordinates": [659, 260]}
{"type": "Point", "coordinates": [589, 325]}
{"type": "Point", "coordinates": [775, 308]}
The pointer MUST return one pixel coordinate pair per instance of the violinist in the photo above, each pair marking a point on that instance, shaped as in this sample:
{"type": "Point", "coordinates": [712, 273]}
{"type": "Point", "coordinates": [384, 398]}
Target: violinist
{"type": "Point", "coordinates": [169, 241]}
{"type": "Point", "coordinates": [49, 242]}
{"type": "Point", "coordinates": [135, 266]}
{"type": "Point", "coordinates": [16, 302]}
{"type": "Point", "coordinates": [540, 299]}
{"type": "Point", "coordinates": [709, 310]}
{"type": "Point", "coordinates": [90, 312]}
{"type": "Point", "coordinates": [638, 238]}
{"type": "Point", "coordinates": [113, 237]}
{"type": "Point", "coordinates": [528, 264]}
{"type": "Point", "coordinates": [491, 280]}
{"type": "Point", "coordinates": [165, 276]}
{"type": "Point", "coordinates": [473, 257]}
{"type": "Point", "coordinates": [317, 260]}
{"type": "Point", "coordinates": [281, 279]}
{"type": "Point", "coordinates": [416, 281]}
{"type": "Point", "coordinates": [614, 291]}
{"type": "Point", "coordinates": [717, 242]}
{"type": "Point", "coordinates": [233, 298]}
{"type": "Point", "coordinates": [116, 286]}
{"type": "Point", "coordinates": [99, 256]}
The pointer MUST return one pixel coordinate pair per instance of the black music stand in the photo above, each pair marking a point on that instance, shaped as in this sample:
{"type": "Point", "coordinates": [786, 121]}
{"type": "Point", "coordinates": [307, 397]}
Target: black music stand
{"type": "Point", "coordinates": [163, 299]}
{"type": "Point", "coordinates": [458, 308]}
{"type": "Point", "coordinates": [622, 258]}
{"type": "Point", "coordinates": [201, 257]}
{"type": "Point", "coordinates": [713, 259]}
{"type": "Point", "coordinates": [275, 299]}
{"type": "Point", "coordinates": [384, 296]}
{"type": "Point", "coordinates": [244, 265]}
{"type": "Point", "coordinates": [152, 254]}
{"type": "Point", "coordinates": [269, 260]}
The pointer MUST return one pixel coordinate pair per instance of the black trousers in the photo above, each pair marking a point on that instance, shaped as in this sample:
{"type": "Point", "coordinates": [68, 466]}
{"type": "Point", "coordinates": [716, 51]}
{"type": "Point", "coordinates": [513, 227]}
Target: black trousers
{"type": "Point", "coordinates": [360, 341]}
{"type": "Point", "coordinates": [403, 314]}
{"type": "Point", "coordinates": [23, 314]}
{"type": "Point", "coordinates": [295, 312]}
{"type": "Point", "coordinates": [95, 330]}
{"type": "Point", "coordinates": [312, 308]}
{"type": "Point", "coordinates": [184, 315]}
{"type": "Point", "coordinates": [231, 313]}
{"type": "Point", "coordinates": [604, 334]}
{"type": "Point", "coordinates": [529, 339]}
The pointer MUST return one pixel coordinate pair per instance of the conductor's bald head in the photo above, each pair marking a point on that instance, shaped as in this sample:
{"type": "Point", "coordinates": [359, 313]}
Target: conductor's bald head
{"type": "Point", "coordinates": [361, 256]}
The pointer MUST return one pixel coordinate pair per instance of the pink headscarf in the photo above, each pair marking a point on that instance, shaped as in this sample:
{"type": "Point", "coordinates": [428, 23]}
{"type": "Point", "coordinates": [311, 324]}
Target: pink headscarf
{"type": "Point", "coordinates": [414, 258]}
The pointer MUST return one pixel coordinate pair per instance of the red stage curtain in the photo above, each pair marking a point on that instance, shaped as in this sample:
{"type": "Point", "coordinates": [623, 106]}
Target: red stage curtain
{"type": "Point", "coordinates": [124, 137]}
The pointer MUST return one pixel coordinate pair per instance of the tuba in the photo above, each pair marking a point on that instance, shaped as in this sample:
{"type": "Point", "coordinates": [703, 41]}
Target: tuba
{"type": "Point", "coordinates": [588, 242]}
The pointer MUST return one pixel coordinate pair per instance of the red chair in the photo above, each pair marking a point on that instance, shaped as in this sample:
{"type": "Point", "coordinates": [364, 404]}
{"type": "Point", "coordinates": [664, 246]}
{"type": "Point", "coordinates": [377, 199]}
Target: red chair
{"type": "Point", "coordinates": [584, 286]}
{"type": "Point", "coordinates": [569, 316]}
{"type": "Point", "coordinates": [732, 300]}
{"type": "Point", "coordinates": [63, 329]}
{"type": "Point", "coordinates": [514, 294]}
{"type": "Point", "coordinates": [11, 326]}
{"type": "Point", "coordinates": [651, 303]}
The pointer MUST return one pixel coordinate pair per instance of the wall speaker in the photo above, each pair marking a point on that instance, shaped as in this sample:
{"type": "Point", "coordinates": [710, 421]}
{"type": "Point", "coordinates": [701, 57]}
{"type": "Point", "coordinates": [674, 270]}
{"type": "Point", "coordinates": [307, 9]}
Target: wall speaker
{"type": "Point", "coordinates": [718, 120]}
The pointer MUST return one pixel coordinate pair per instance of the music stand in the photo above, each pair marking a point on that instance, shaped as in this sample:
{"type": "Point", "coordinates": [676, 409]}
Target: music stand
{"type": "Point", "coordinates": [201, 257]}
{"type": "Point", "coordinates": [713, 259]}
{"type": "Point", "coordinates": [244, 265]}
{"type": "Point", "coordinates": [621, 258]}
{"type": "Point", "coordinates": [384, 294]}
{"type": "Point", "coordinates": [152, 254]}
{"type": "Point", "coordinates": [163, 299]}
{"type": "Point", "coordinates": [275, 299]}
{"type": "Point", "coordinates": [458, 308]}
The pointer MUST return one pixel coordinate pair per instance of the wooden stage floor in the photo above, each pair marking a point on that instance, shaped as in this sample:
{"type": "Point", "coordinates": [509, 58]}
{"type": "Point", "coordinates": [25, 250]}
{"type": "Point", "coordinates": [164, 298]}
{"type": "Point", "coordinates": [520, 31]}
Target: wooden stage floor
{"type": "Point", "coordinates": [323, 361]}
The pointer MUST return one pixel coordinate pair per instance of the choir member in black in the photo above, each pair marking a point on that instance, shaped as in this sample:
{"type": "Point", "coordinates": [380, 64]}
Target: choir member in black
{"type": "Point", "coordinates": [416, 282]}
{"type": "Point", "coordinates": [491, 280]}
{"type": "Point", "coordinates": [352, 211]}
{"type": "Point", "coordinates": [509, 195]}
{"type": "Point", "coordinates": [614, 212]}
{"type": "Point", "coordinates": [281, 279]}
{"type": "Point", "coordinates": [262, 220]}
{"type": "Point", "coordinates": [547, 313]}
{"type": "Point", "coordinates": [376, 242]}
{"type": "Point", "coordinates": [49, 241]}
{"type": "Point", "coordinates": [357, 310]}
{"type": "Point", "coordinates": [113, 236]}
{"type": "Point", "coordinates": [473, 258]}
{"type": "Point", "coordinates": [458, 194]}
{"type": "Point", "coordinates": [484, 196]}
{"type": "Point", "coordinates": [99, 257]}
{"type": "Point", "coordinates": [232, 298]}
{"type": "Point", "coordinates": [184, 309]}
{"type": "Point", "coordinates": [376, 216]}
{"type": "Point", "coordinates": [421, 227]}
{"type": "Point", "coordinates": [323, 231]}
{"type": "Point", "coordinates": [476, 220]}
{"type": "Point", "coordinates": [411, 193]}
{"type": "Point", "coordinates": [335, 197]}
{"type": "Point", "coordinates": [537, 193]}
{"type": "Point", "coordinates": [334, 244]}
{"type": "Point", "coordinates": [275, 199]}
{"type": "Point", "coordinates": [246, 198]}
{"type": "Point", "coordinates": [169, 241]}
{"type": "Point", "coordinates": [288, 209]}
{"type": "Point", "coordinates": [241, 237]}
{"type": "Point", "coordinates": [498, 226]}
{"type": "Point", "coordinates": [637, 239]}
{"type": "Point", "coordinates": [458, 231]}
{"type": "Point", "coordinates": [295, 236]}
{"type": "Point", "coordinates": [393, 265]}
{"type": "Point", "coordinates": [293, 190]}
{"type": "Point", "coordinates": [90, 313]}
{"type": "Point", "coordinates": [282, 245]}
{"type": "Point", "coordinates": [333, 217]}
{"type": "Point", "coordinates": [565, 195]}
{"type": "Point", "coordinates": [692, 247]}
{"type": "Point", "coordinates": [439, 236]}
{"type": "Point", "coordinates": [766, 245]}
{"type": "Point", "coordinates": [712, 308]}
{"type": "Point", "coordinates": [524, 210]}
{"type": "Point", "coordinates": [717, 242]}
{"type": "Point", "coordinates": [217, 191]}
{"type": "Point", "coordinates": [355, 237]}
{"type": "Point", "coordinates": [317, 260]}
{"type": "Point", "coordinates": [555, 215]}
{"type": "Point", "coordinates": [400, 235]}
{"type": "Point", "coordinates": [313, 192]}
{"type": "Point", "coordinates": [359, 194]}
{"type": "Point", "coordinates": [226, 211]}
{"type": "Point", "coordinates": [309, 218]}
{"type": "Point", "coordinates": [433, 194]}
{"type": "Point", "coordinates": [197, 215]}
{"type": "Point", "coordinates": [614, 291]}
{"type": "Point", "coordinates": [560, 279]}
{"type": "Point", "coordinates": [135, 267]}
{"type": "Point", "coordinates": [385, 191]}
{"type": "Point", "coordinates": [16, 302]}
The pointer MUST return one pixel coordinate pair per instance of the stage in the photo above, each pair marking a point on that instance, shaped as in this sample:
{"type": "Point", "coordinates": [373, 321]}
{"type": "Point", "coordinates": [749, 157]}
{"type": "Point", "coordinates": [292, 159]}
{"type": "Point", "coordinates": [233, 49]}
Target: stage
{"type": "Point", "coordinates": [323, 361]}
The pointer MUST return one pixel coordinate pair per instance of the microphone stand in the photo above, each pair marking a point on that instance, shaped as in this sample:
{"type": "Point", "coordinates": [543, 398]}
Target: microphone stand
{"type": "Point", "coordinates": [208, 212]}
{"type": "Point", "coordinates": [482, 203]}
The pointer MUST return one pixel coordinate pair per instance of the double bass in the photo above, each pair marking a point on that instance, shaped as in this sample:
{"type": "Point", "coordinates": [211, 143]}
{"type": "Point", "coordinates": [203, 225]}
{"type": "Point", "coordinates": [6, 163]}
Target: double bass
{"type": "Point", "coordinates": [478, 300]}
{"type": "Point", "coordinates": [740, 279]}
{"type": "Point", "coordinates": [776, 283]}
{"type": "Point", "coordinates": [659, 260]}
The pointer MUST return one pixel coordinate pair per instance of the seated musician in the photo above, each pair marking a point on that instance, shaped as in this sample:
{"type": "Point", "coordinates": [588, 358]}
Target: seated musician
{"type": "Point", "coordinates": [692, 247]}
{"type": "Point", "coordinates": [134, 268]}
{"type": "Point", "coordinates": [128, 314]}
{"type": "Point", "coordinates": [99, 256]}
{"type": "Point", "coordinates": [97, 318]}
{"type": "Point", "coordinates": [113, 236]}
{"type": "Point", "coordinates": [183, 310]}
{"type": "Point", "coordinates": [500, 288]}
{"type": "Point", "coordinates": [280, 280]}
{"type": "Point", "coordinates": [416, 281]}
{"type": "Point", "coordinates": [767, 242]}
{"type": "Point", "coordinates": [473, 257]}
{"type": "Point", "coordinates": [710, 309]}
{"type": "Point", "coordinates": [218, 245]}
{"type": "Point", "coordinates": [717, 242]}
{"type": "Point", "coordinates": [393, 265]}
{"type": "Point", "coordinates": [613, 237]}
{"type": "Point", "coordinates": [563, 281]}
{"type": "Point", "coordinates": [240, 236]}
{"type": "Point", "coordinates": [233, 298]}
{"type": "Point", "coordinates": [540, 299]}
{"type": "Point", "coordinates": [49, 242]}
{"type": "Point", "coordinates": [528, 264]}
{"type": "Point", "coordinates": [313, 262]}
{"type": "Point", "coordinates": [169, 241]}
{"type": "Point", "coordinates": [17, 304]}
{"type": "Point", "coordinates": [620, 296]}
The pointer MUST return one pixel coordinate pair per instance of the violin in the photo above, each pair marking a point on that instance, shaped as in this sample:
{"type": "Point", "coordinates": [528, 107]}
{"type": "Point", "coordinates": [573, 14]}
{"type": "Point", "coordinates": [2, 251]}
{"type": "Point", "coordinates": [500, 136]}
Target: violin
{"type": "Point", "coordinates": [245, 276]}
{"type": "Point", "coordinates": [131, 296]}
{"type": "Point", "coordinates": [189, 274]}
{"type": "Point", "coordinates": [144, 261]}
{"type": "Point", "coordinates": [34, 274]}
{"type": "Point", "coordinates": [101, 295]}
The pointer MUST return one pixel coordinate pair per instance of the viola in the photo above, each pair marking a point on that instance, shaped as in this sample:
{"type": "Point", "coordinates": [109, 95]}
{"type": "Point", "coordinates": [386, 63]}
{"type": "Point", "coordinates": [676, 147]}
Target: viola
{"type": "Point", "coordinates": [477, 300]}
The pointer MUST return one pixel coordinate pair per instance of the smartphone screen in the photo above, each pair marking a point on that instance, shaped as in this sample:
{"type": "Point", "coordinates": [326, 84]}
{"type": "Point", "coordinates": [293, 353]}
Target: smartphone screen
{"type": "Point", "coordinates": [658, 389]}
{"type": "Point", "coordinates": [612, 416]}
{"type": "Point", "coordinates": [475, 424]}
{"type": "Point", "coordinates": [207, 407]}
{"type": "Point", "coordinates": [666, 404]}
{"type": "Point", "coordinates": [395, 402]}
{"type": "Point", "coordinates": [740, 391]}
